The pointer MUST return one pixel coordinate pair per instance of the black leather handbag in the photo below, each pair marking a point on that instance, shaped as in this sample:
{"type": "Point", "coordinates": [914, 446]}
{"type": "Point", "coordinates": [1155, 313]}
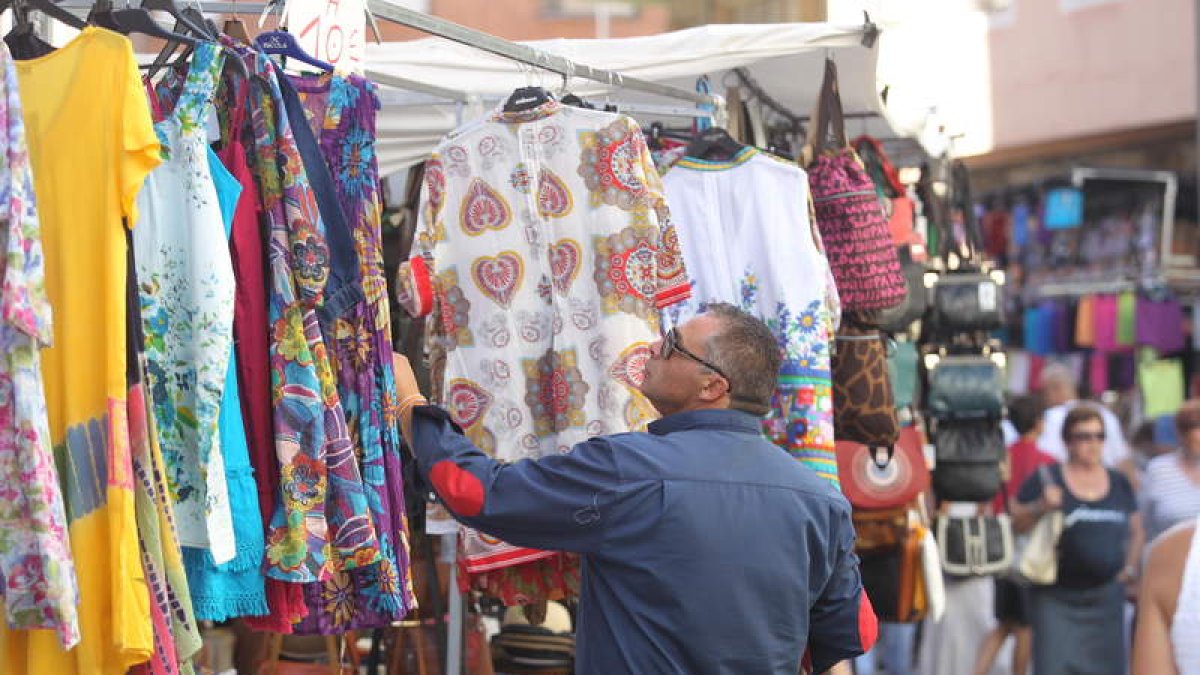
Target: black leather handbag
{"type": "Point", "coordinates": [967, 301]}
{"type": "Point", "coordinates": [966, 387]}
{"type": "Point", "coordinates": [968, 457]}
{"type": "Point", "coordinates": [973, 546]}
{"type": "Point", "coordinates": [898, 319]}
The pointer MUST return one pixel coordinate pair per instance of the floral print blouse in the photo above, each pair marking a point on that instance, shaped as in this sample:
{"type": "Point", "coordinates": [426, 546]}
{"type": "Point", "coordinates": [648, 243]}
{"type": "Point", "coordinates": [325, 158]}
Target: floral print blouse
{"type": "Point", "coordinates": [37, 572]}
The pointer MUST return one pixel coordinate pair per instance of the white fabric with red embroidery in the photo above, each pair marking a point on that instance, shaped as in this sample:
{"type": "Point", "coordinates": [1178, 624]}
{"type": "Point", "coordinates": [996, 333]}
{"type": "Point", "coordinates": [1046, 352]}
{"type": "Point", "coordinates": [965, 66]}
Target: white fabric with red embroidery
{"type": "Point", "coordinates": [548, 253]}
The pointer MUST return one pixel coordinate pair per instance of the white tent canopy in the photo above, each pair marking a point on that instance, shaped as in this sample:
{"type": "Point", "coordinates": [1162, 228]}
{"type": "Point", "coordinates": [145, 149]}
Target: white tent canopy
{"type": "Point", "coordinates": [786, 60]}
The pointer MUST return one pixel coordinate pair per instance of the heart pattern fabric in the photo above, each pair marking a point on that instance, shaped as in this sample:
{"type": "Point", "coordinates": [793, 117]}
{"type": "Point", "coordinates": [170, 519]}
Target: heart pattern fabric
{"type": "Point", "coordinates": [630, 367]}
{"type": "Point", "coordinates": [565, 258]}
{"type": "Point", "coordinates": [499, 278]}
{"type": "Point", "coordinates": [467, 402]}
{"type": "Point", "coordinates": [484, 209]}
{"type": "Point", "coordinates": [551, 229]}
{"type": "Point", "coordinates": [553, 198]}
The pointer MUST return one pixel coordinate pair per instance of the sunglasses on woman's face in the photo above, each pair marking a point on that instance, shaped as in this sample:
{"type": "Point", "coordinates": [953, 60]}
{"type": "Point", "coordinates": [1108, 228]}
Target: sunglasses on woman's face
{"type": "Point", "coordinates": [1084, 436]}
{"type": "Point", "coordinates": [671, 343]}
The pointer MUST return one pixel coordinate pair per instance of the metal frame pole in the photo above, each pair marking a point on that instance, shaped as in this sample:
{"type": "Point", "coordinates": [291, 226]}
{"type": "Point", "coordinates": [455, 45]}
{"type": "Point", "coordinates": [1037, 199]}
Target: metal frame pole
{"type": "Point", "coordinates": [526, 54]}
{"type": "Point", "coordinates": [454, 637]}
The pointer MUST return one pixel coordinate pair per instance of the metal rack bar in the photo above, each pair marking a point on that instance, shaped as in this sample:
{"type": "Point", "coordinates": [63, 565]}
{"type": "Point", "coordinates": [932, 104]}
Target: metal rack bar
{"type": "Point", "coordinates": [247, 8]}
{"type": "Point", "coordinates": [749, 82]}
{"type": "Point", "coordinates": [384, 9]}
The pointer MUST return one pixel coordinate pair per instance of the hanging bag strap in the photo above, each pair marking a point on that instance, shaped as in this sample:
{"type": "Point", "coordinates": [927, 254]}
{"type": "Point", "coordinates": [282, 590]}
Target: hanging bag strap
{"type": "Point", "coordinates": [823, 111]}
{"type": "Point", "coordinates": [829, 112]}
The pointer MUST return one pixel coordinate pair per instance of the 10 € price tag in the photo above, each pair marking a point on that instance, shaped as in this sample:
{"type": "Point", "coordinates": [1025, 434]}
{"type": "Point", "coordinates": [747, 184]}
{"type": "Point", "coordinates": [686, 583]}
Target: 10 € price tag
{"type": "Point", "coordinates": [331, 30]}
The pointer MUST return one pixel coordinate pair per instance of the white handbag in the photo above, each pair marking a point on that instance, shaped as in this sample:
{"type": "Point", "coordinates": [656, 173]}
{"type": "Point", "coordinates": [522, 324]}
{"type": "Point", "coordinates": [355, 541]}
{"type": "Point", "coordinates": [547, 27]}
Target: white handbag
{"type": "Point", "coordinates": [973, 546]}
{"type": "Point", "coordinates": [935, 589]}
{"type": "Point", "coordinates": [1038, 563]}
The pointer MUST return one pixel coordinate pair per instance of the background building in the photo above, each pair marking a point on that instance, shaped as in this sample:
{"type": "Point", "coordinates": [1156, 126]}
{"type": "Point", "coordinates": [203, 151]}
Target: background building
{"type": "Point", "coordinates": [543, 19]}
{"type": "Point", "coordinates": [686, 13]}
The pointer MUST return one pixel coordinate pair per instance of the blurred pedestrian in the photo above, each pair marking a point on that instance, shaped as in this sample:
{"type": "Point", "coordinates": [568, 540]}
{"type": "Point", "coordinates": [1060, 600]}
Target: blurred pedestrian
{"type": "Point", "coordinates": [1012, 599]}
{"type": "Point", "coordinates": [1060, 391]}
{"type": "Point", "coordinates": [1078, 621]}
{"type": "Point", "coordinates": [1170, 493]}
{"type": "Point", "coordinates": [1168, 629]}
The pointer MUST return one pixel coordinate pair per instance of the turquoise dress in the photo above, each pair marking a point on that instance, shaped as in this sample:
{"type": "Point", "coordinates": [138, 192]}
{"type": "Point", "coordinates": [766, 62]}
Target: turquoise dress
{"type": "Point", "coordinates": [236, 588]}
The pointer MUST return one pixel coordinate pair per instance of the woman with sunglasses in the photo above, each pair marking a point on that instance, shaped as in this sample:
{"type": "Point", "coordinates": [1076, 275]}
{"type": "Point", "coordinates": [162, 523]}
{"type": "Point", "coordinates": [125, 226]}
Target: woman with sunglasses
{"type": "Point", "coordinates": [1078, 621]}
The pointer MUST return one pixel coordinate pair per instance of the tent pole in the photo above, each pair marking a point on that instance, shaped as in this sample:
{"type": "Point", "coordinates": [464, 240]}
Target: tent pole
{"type": "Point", "coordinates": [454, 633]}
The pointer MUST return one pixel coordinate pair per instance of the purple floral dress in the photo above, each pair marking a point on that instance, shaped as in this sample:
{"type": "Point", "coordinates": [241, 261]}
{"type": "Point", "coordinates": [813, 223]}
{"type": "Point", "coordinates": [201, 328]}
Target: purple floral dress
{"type": "Point", "coordinates": [341, 111]}
{"type": "Point", "coordinates": [322, 525]}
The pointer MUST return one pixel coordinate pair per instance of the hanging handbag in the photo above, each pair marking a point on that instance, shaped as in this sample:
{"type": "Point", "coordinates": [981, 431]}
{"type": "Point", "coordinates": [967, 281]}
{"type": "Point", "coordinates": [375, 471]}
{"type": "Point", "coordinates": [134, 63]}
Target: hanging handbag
{"type": "Point", "coordinates": [857, 242]}
{"type": "Point", "coordinates": [898, 319]}
{"type": "Point", "coordinates": [873, 478]}
{"type": "Point", "coordinates": [967, 301]}
{"type": "Point", "coordinates": [968, 454]}
{"type": "Point", "coordinates": [935, 585]}
{"type": "Point", "coordinates": [864, 409]}
{"type": "Point", "coordinates": [966, 387]}
{"type": "Point", "coordinates": [974, 546]}
{"type": "Point", "coordinates": [1038, 563]}
{"type": "Point", "coordinates": [903, 370]}
{"type": "Point", "coordinates": [893, 198]}
{"type": "Point", "coordinates": [894, 576]}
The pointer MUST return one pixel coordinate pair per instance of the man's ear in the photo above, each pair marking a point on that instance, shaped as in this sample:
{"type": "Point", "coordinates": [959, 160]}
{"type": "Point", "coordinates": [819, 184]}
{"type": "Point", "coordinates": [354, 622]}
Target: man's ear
{"type": "Point", "coordinates": [714, 389]}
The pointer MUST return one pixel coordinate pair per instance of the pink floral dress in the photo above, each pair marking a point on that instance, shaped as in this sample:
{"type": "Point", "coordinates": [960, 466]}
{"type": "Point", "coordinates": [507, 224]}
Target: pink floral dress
{"type": "Point", "coordinates": [36, 568]}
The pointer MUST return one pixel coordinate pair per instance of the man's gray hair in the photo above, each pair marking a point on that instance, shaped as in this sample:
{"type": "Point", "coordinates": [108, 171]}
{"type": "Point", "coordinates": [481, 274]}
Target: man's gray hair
{"type": "Point", "coordinates": [1058, 373]}
{"type": "Point", "coordinates": [746, 350]}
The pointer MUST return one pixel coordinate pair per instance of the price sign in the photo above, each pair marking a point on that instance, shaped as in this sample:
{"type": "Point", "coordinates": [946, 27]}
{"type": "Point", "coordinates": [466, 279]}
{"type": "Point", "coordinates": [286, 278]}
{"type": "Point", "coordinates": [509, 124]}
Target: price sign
{"type": "Point", "coordinates": [331, 30]}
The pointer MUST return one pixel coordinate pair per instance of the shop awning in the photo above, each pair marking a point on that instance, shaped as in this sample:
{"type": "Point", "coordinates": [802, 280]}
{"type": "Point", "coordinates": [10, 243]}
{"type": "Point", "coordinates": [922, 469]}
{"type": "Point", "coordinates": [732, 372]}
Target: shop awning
{"type": "Point", "coordinates": [786, 61]}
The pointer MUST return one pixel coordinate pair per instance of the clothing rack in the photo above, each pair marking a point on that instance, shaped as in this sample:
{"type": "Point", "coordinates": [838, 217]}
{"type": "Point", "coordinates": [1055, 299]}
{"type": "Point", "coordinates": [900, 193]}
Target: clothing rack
{"type": "Point", "coordinates": [1064, 289]}
{"type": "Point", "coordinates": [389, 11]}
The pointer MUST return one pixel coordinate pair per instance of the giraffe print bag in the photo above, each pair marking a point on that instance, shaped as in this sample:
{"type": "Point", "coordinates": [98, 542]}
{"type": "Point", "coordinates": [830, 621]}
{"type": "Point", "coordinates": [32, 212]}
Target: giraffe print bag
{"type": "Point", "coordinates": [864, 408]}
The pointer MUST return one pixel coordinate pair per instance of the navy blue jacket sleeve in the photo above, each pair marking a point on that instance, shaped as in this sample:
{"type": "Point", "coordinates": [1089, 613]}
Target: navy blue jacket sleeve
{"type": "Point", "coordinates": [842, 623]}
{"type": "Point", "coordinates": [558, 502]}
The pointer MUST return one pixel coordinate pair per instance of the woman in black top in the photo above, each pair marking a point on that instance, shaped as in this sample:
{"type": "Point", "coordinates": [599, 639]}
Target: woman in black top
{"type": "Point", "coordinates": [1078, 622]}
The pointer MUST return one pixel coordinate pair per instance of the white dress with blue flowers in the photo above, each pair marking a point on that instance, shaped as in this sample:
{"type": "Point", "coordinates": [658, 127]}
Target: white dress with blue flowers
{"type": "Point", "coordinates": [186, 286]}
{"type": "Point", "coordinates": [746, 238]}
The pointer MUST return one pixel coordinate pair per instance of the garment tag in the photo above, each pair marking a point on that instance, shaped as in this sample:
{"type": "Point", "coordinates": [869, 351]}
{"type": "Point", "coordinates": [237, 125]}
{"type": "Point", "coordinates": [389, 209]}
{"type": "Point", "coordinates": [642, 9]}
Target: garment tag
{"type": "Point", "coordinates": [987, 296]}
{"type": "Point", "coordinates": [212, 126]}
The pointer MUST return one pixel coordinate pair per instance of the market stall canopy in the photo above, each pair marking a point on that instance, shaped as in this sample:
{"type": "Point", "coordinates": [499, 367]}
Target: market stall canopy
{"type": "Point", "coordinates": [785, 60]}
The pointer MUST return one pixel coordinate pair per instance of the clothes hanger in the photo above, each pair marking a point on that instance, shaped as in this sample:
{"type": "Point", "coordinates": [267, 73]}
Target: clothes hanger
{"type": "Point", "coordinates": [282, 43]}
{"type": "Point", "coordinates": [527, 98]}
{"type": "Point", "coordinates": [46, 7]}
{"type": "Point", "coordinates": [235, 28]}
{"type": "Point", "coordinates": [192, 16]}
{"type": "Point", "coordinates": [23, 42]}
{"type": "Point", "coordinates": [180, 16]}
{"type": "Point", "coordinates": [576, 102]}
{"type": "Point", "coordinates": [101, 15]}
{"type": "Point", "coordinates": [138, 20]}
{"type": "Point", "coordinates": [714, 143]}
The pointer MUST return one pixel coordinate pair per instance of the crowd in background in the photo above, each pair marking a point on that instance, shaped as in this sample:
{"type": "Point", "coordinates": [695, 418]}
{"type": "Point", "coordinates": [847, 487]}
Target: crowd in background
{"type": "Point", "coordinates": [1130, 507]}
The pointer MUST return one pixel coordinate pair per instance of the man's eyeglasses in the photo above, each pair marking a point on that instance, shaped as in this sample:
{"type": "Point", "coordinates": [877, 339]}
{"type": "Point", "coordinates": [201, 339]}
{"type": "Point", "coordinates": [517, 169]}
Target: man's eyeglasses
{"type": "Point", "coordinates": [671, 344]}
{"type": "Point", "coordinates": [1083, 436]}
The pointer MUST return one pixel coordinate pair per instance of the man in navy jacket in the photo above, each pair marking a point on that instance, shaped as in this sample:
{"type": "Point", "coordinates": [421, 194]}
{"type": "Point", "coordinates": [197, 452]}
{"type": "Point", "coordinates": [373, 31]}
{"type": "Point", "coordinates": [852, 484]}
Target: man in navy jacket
{"type": "Point", "coordinates": [706, 548]}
